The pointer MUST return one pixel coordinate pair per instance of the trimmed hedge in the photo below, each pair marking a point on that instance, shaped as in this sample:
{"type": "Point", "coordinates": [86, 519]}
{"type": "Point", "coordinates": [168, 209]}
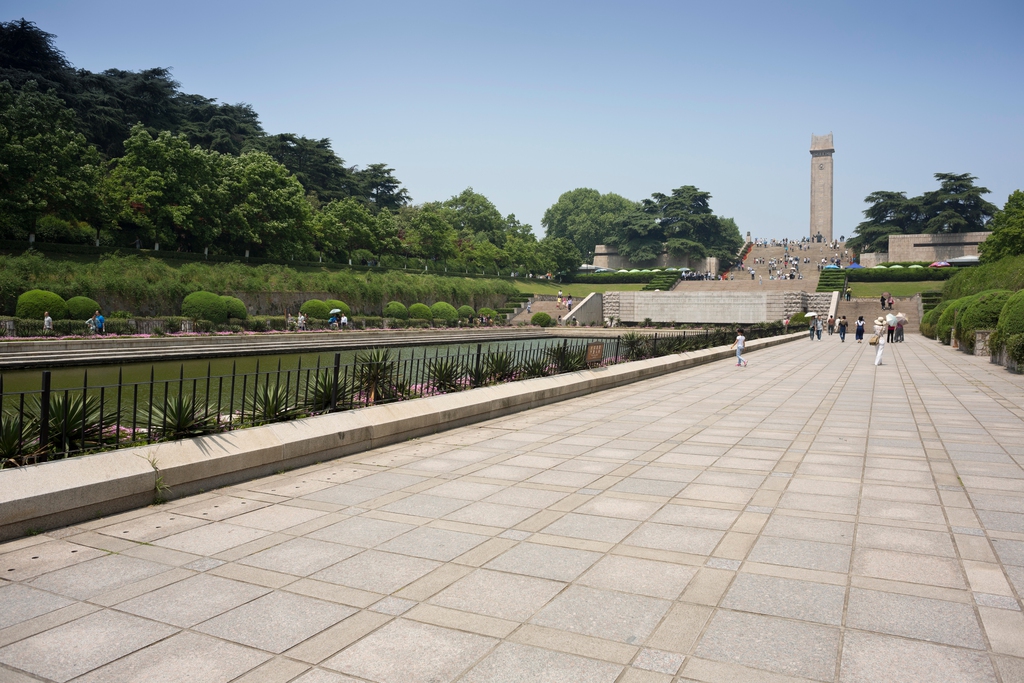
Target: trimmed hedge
{"type": "Point", "coordinates": [81, 308]}
{"type": "Point", "coordinates": [236, 307]}
{"type": "Point", "coordinates": [316, 309]}
{"type": "Point", "coordinates": [542, 319]}
{"type": "Point", "coordinates": [980, 314]}
{"type": "Point", "coordinates": [337, 303]}
{"type": "Point", "coordinates": [900, 274]}
{"type": "Point", "coordinates": [33, 303]}
{"type": "Point", "coordinates": [798, 321]}
{"type": "Point", "coordinates": [420, 312]}
{"type": "Point", "coordinates": [205, 306]}
{"type": "Point", "coordinates": [944, 328]}
{"type": "Point", "coordinates": [396, 309]}
{"type": "Point", "coordinates": [443, 310]}
{"type": "Point", "coordinates": [930, 322]}
{"type": "Point", "coordinates": [1011, 318]}
{"type": "Point", "coordinates": [487, 312]}
{"type": "Point", "coordinates": [466, 312]}
{"type": "Point", "coordinates": [613, 278]}
{"type": "Point", "coordinates": [1015, 349]}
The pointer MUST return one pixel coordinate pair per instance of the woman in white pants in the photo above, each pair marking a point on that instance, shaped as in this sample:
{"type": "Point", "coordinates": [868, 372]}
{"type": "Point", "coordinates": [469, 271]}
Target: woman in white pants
{"type": "Point", "coordinates": [881, 328]}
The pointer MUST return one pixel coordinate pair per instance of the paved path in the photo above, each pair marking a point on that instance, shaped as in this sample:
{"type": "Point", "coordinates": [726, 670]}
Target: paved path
{"type": "Point", "coordinates": [809, 517]}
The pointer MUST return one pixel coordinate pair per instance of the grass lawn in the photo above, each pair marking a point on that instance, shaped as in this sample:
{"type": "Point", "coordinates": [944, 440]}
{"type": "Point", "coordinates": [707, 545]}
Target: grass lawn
{"type": "Point", "coordinates": [578, 290]}
{"type": "Point", "coordinates": [875, 289]}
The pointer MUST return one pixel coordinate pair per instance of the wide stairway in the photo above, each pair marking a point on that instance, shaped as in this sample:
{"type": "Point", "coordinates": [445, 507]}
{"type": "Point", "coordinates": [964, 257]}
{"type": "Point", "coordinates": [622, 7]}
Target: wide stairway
{"type": "Point", "coordinates": [541, 306]}
{"type": "Point", "coordinates": [741, 281]}
{"type": "Point", "coordinates": [872, 308]}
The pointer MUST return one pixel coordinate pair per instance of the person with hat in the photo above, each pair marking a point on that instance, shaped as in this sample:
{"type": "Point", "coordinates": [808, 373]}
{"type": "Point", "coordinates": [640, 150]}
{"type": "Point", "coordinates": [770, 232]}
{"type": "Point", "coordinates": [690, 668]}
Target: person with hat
{"type": "Point", "coordinates": [880, 330]}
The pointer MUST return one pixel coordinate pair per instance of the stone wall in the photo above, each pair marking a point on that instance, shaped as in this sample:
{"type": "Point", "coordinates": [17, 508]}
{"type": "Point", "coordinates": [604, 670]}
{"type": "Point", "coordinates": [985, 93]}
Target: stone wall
{"type": "Point", "coordinates": [873, 258]}
{"type": "Point", "coordinates": [934, 247]}
{"type": "Point", "coordinates": [590, 311]}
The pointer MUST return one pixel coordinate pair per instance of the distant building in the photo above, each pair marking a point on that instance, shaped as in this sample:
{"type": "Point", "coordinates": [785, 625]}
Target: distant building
{"type": "Point", "coordinates": [821, 187]}
{"type": "Point", "coordinates": [940, 247]}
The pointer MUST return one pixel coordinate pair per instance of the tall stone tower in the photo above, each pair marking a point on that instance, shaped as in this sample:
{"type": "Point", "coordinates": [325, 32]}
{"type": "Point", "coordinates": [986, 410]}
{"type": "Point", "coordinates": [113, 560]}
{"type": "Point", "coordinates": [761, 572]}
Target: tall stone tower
{"type": "Point", "coordinates": [821, 186]}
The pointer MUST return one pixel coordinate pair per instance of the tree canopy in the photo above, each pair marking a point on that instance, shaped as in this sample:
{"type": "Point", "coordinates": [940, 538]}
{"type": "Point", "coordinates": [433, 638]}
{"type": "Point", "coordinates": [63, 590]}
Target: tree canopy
{"type": "Point", "coordinates": [586, 217]}
{"type": "Point", "coordinates": [1007, 238]}
{"type": "Point", "coordinates": [956, 206]}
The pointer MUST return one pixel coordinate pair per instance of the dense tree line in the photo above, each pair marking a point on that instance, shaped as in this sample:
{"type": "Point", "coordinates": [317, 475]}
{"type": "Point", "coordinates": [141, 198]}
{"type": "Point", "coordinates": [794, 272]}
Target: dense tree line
{"type": "Point", "coordinates": [957, 205]}
{"type": "Point", "coordinates": [126, 158]}
{"type": "Point", "coordinates": [681, 222]}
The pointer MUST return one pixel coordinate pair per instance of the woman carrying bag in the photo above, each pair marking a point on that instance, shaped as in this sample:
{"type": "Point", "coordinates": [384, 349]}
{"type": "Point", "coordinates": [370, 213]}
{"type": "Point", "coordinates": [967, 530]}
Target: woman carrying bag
{"type": "Point", "coordinates": [878, 341]}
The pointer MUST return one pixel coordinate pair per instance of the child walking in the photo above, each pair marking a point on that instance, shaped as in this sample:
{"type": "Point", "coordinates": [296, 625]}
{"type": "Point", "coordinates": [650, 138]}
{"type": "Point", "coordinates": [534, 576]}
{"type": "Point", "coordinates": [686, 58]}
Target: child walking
{"type": "Point", "coordinates": [739, 344]}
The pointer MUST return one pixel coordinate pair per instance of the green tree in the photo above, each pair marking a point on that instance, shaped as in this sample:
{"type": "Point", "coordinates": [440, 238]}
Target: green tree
{"type": "Point", "coordinates": [266, 209]}
{"type": "Point", "coordinates": [322, 172]}
{"type": "Point", "coordinates": [1007, 238]}
{"type": "Point", "coordinates": [431, 236]}
{"type": "Point", "coordinates": [586, 217]}
{"type": "Point", "coordinates": [344, 226]}
{"type": "Point", "coordinates": [560, 255]}
{"type": "Point", "coordinates": [957, 206]}
{"type": "Point", "coordinates": [46, 166]}
{"type": "Point", "coordinates": [889, 213]}
{"type": "Point", "coordinates": [377, 183]}
{"type": "Point", "coordinates": [681, 222]}
{"type": "Point", "coordinates": [473, 215]}
{"type": "Point", "coordinates": [168, 191]}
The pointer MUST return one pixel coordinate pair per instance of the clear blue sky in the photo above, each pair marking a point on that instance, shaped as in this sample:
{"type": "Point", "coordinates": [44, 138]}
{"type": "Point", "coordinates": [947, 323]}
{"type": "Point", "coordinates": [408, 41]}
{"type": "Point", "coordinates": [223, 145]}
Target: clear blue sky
{"type": "Point", "coordinates": [526, 100]}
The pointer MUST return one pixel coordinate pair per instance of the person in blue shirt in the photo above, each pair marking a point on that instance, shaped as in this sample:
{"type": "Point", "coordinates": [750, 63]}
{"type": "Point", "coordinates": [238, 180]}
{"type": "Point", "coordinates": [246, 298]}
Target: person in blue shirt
{"type": "Point", "coordinates": [99, 322]}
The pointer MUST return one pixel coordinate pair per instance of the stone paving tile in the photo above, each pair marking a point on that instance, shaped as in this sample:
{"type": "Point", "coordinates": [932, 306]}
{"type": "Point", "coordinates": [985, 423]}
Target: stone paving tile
{"type": "Point", "coordinates": [545, 561]}
{"type": "Point", "coordinates": [27, 563]}
{"type": "Point", "coordinates": [603, 614]}
{"type": "Point", "coordinates": [779, 597]}
{"type": "Point", "coordinates": [184, 657]}
{"type": "Point", "coordinates": [497, 594]}
{"type": "Point", "coordinates": [377, 572]}
{"type": "Point", "coordinates": [89, 579]}
{"type": "Point", "coordinates": [635, 575]}
{"type": "Point", "coordinates": [80, 646]}
{"type": "Point", "coordinates": [434, 544]}
{"type": "Point", "coordinates": [897, 566]}
{"type": "Point", "coordinates": [787, 647]}
{"type": "Point", "coordinates": [806, 554]}
{"type": "Point", "coordinates": [192, 601]}
{"type": "Point", "coordinates": [873, 658]}
{"type": "Point", "coordinates": [211, 539]}
{"type": "Point", "coordinates": [405, 651]}
{"type": "Point", "coordinates": [21, 603]}
{"type": "Point", "coordinates": [363, 532]}
{"type": "Point", "coordinates": [688, 515]}
{"type": "Point", "coordinates": [949, 623]}
{"type": "Point", "coordinates": [678, 538]}
{"type": "Point", "coordinates": [276, 621]}
{"type": "Point", "coordinates": [592, 527]}
{"type": "Point", "coordinates": [515, 663]}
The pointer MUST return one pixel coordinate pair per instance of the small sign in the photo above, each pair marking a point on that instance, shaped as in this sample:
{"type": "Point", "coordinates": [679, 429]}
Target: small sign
{"type": "Point", "coordinates": [595, 352]}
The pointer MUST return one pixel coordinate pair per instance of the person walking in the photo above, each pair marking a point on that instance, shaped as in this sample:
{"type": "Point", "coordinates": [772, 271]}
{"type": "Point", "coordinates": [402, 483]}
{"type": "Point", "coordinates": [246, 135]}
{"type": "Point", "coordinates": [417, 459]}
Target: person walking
{"type": "Point", "coordinates": [880, 335]}
{"type": "Point", "coordinates": [817, 326]}
{"type": "Point", "coordinates": [899, 327]}
{"type": "Point", "coordinates": [739, 344]}
{"type": "Point", "coordinates": [811, 328]}
{"type": "Point", "coordinates": [831, 325]}
{"type": "Point", "coordinates": [882, 299]}
{"type": "Point", "coordinates": [891, 302]}
{"type": "Point", "coordinates": [47, 323]}
{"type": "Point", "coordinates": [891, 329]}
{"type": "Point", "coordinates": [859, 332]}
{"type": "Point", "coordinates": [842, 329]}
{"type": "Point", "coordinates": [99, 322]}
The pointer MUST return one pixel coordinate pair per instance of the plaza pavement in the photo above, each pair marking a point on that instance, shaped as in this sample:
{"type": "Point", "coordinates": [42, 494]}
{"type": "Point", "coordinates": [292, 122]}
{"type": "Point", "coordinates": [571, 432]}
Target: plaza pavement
{"type": "Point", "coordinates": [809, 517]}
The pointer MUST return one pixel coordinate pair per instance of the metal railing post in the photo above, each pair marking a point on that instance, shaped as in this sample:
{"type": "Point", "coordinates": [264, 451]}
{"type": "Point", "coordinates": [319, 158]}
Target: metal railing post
{"type": "Point", "coordinates": [334, 385]}
{"type": "Point", "coordinates": [44, 413]}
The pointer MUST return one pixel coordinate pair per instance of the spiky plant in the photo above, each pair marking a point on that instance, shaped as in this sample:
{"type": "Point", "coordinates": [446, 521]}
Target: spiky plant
{"type": "Point", "coordinates": [271, 401]}
{"type": "Point", "coordinates": [74, 421]}
{"type": "Point", "coordinates": [181, 416]}
{"type": "Point", "coordinates": [636, 346]}
{"type": "Point", "coordinates": [501, 367]}
{"type": "Point", "coordinates": [446, 374]}
{"type": "Point", "coordinates": [567, 358]}
{"type": "Point", "coordinates": [19, 439]}
{"type": "Point", "coordinates": [538, 367]}
{"type": "Point", "coordinates": [375, 376]}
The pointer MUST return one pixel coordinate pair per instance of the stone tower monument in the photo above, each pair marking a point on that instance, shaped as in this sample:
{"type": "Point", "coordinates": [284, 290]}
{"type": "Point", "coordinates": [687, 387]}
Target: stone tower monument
{"type": "Point", "coordinates": [821, 186]}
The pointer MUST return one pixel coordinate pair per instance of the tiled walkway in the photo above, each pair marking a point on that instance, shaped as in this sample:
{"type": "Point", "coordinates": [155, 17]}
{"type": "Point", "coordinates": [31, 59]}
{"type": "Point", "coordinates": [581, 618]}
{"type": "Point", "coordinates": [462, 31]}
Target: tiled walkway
{"type": "Point", "coordinates": [809, 517]}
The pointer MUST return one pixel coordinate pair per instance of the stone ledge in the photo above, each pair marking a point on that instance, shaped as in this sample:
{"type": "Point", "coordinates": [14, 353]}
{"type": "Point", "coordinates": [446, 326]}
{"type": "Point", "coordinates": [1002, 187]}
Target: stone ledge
{"type": "Point", "coordinates": [49, 495]}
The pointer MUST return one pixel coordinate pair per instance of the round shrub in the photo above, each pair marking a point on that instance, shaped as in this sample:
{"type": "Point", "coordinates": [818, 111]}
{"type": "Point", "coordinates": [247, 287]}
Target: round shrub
{"type": "Point", "coordinates": [33, 303]}
{"type": "Point", "coordinates": [80, 308]}
{"type": "Point", "coordinates": [236, 307]}
{"type": "Point", "coordinates": [205, 306]}
{"type": "Point", "coordinates": [316, 309]}
{"type": "Point", "coordinates": [1011, 318]}
{"type": "Point", "coordinates": [444, 311]}
{"type": "Point", "coordinates": [420, 312]}
{"type": "Point", "coordinates": [799, 320]}
{"type": "Point", "coordinates": [397, 310]}
{"type": "Point", "coordinates": [944, 325]}
{"type": "Point", "coordinates": [1015, 349]}
{"type": "Point", "coordinates": [980, 314]}
{"type": "Point", "coordinates": [542, 319]}
{"type": "Point", "coordinates": [335, 303]}
{"type": "Point", "coordinates": [466, 312]}
{"type": "Point", "coordinates": [487, 312]}
{"type": "Point", "coordinates": [930, 320]}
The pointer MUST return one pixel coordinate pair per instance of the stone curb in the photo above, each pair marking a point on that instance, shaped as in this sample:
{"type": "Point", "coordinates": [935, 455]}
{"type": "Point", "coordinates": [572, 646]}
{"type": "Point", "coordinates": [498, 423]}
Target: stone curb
{"type": "Point", "coordinates": [54, 494]}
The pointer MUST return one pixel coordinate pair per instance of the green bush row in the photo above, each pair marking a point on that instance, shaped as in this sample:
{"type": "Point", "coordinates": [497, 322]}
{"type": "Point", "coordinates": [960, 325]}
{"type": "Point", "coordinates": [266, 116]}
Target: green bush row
{"type": "Point", "coordinates": [613, 278]}
{"type": "Point", "coordinates": [901, 275]}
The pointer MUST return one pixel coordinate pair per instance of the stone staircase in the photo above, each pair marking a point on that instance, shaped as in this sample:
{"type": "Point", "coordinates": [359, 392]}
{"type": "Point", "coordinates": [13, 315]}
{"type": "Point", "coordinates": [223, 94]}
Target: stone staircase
{"type": "Point", "coordinates": [542, 304]}
{"type": "Point", "coordinates": [871, 309]}
{"type": "Point", "coordinates": [741, 281]}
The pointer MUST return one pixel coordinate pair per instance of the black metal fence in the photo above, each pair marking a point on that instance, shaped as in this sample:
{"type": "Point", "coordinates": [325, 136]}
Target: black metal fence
{"type": "Point", "coordinates": [49, 423]}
